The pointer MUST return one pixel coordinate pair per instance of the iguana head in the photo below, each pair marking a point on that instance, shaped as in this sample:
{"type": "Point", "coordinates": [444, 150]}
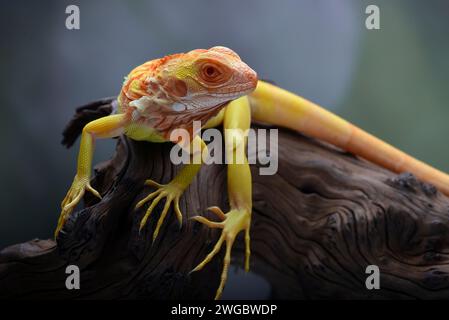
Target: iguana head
{"type": "Point", "coordinates": [174, 91]}
{"type": "Point", "coordinates": [205, 78]}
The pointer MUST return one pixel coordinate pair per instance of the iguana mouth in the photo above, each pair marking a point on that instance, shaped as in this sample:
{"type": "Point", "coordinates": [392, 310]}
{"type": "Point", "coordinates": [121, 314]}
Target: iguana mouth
{"type": "Point", "coordinates": [239, 90]}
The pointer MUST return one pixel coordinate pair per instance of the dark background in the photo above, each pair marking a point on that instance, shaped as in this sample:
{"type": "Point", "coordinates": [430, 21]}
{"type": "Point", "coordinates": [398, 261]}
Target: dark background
{"type": "Point", "coordinates": [393, 82]}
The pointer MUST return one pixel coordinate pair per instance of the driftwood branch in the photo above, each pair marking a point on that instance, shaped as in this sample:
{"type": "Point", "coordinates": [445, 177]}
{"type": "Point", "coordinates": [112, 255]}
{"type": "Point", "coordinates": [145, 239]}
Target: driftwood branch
{"type": "Point", "coordinates": [317, 224]}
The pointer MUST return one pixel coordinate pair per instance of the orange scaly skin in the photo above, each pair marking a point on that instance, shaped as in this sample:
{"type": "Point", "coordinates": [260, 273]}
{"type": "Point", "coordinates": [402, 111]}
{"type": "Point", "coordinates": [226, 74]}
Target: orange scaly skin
{"type": "Point", "coordinates": [163, 94]}
{"type": "Point", "coordinates": [215, 87]}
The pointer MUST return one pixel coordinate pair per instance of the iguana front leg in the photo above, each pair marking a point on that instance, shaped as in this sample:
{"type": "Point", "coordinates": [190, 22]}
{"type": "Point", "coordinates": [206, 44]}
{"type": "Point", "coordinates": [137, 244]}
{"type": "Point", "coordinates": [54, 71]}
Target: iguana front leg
{"type": "Point", "coordinates": [237, 120]}
{"type": "Point", "coordinates": [106, 127]}
{"type": "Point", "coordinates": [174, 189]}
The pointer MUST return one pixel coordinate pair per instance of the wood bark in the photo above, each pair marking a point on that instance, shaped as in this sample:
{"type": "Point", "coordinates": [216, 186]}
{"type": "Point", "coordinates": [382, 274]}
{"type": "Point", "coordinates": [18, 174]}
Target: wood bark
{"type": "Point", "coordinates": [317, 224]}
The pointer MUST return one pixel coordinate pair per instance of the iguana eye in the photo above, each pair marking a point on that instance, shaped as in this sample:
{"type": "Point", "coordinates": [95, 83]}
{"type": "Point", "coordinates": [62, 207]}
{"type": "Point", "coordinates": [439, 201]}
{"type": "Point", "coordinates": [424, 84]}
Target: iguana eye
{"type": "Point", "coordinates": [210, 72]}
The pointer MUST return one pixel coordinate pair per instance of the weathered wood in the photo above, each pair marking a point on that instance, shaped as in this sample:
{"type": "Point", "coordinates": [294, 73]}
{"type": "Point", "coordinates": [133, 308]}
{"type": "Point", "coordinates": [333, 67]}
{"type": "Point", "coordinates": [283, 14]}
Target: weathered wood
{"type": "Point", "coordinates": [317, 224]}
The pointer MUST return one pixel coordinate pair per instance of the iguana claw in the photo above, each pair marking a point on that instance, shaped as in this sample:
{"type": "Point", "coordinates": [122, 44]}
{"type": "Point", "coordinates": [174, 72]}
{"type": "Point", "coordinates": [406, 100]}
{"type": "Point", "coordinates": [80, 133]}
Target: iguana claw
{"type": "Point", "coordinates": [172, 192]}
{"type": "Point", "coordinates": [232, 223]}
{"type": "Point", "coordinates": [72, 198]}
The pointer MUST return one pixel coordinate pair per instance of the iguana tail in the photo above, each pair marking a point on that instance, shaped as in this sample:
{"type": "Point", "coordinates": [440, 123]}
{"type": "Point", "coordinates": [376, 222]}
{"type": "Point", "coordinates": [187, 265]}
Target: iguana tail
{"type": "Point", "coordinates": [85, 114]}
{"type": "Point", "coordinates": [276, 106]}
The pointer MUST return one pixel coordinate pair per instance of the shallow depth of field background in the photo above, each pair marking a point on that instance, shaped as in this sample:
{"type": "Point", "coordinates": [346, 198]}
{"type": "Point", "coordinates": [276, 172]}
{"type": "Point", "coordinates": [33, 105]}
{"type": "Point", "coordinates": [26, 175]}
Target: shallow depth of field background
{"type": "Point", "coordinates": [393, 82]}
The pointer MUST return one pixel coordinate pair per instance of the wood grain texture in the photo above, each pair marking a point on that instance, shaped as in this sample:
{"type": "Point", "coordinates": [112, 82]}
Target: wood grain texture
{"type": "Point", "coordinates": [317, 224]}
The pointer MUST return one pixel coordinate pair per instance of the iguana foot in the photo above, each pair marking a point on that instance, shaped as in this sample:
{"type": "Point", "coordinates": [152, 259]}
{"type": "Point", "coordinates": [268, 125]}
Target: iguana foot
{"type": "Point", "coordinates": [172, 191]}
{"type": "Point", "coordinates": [232, 223]}
{"type": "Point", "coordinates": [72, 198]}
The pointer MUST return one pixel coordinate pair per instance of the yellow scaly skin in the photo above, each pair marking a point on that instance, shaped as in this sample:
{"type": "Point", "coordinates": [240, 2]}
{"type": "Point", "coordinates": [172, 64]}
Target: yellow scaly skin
{"type": "Point", "coordinates": [190, 85]}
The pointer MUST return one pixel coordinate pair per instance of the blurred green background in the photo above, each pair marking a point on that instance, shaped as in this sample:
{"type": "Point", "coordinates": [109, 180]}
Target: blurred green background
{"type": "Point", "coordinates": [393, 82]}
